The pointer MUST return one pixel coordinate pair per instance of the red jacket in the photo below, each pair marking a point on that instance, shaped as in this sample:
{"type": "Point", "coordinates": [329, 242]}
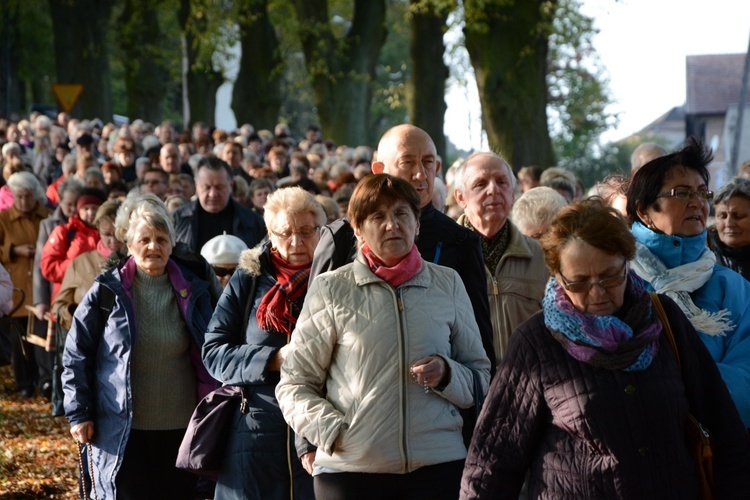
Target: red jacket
{"type": "Point", "coordinates": [66, 242]}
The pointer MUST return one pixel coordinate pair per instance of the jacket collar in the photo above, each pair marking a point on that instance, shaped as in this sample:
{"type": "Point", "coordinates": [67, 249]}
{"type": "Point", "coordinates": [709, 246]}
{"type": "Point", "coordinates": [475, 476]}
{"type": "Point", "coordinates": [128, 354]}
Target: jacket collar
{"type": "Point", "coordinates": [518, 243]}
{"type": "Point", "coordinates": [363, 276]}
{"type": "Point", "coordinates": [178, 281]}
{"type": "Point", "coordinates": [673, 251]}
{"type": "Point", "coordinates": [40, 211]}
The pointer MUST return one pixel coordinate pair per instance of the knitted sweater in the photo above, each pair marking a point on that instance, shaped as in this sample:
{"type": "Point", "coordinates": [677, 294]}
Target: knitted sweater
{"type": "Point", "coordinates": [163, 379]}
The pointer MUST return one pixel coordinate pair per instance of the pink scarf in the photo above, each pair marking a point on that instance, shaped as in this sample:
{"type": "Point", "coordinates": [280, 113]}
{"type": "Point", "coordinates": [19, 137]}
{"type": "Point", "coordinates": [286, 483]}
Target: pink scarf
{"type": "Point", "coordinates": [398, 274]}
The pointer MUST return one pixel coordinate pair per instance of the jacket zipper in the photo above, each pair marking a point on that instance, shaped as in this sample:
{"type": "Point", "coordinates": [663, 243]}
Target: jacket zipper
{"type": "Point", "coordinates": [403, 378]}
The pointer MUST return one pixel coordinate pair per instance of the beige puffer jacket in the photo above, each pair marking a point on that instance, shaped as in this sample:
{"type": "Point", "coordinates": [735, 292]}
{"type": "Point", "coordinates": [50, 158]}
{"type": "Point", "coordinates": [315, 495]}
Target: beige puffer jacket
{"type": "Point", "coordinates": [355, 341]}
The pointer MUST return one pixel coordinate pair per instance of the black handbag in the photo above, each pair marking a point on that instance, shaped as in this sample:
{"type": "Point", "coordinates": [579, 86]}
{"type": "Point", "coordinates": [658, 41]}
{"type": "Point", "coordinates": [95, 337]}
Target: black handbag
{"type": "Point", "coordinates": [204, 444]}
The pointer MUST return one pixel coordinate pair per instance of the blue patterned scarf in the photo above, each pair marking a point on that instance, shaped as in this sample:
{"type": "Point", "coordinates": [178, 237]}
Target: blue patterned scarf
{"type": "Point", "coordinates": [626, 341]}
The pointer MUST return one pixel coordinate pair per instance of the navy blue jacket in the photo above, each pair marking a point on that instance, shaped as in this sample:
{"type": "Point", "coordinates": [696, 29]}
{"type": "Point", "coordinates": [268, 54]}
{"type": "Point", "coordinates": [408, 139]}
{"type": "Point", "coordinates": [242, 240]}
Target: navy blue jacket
{"type": "Point", "coordinates": [261, 445]}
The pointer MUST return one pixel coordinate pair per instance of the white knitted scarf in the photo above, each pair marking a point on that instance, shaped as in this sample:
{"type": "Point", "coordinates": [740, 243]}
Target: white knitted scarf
{"type": "Point", "coordinates": [678, 282]}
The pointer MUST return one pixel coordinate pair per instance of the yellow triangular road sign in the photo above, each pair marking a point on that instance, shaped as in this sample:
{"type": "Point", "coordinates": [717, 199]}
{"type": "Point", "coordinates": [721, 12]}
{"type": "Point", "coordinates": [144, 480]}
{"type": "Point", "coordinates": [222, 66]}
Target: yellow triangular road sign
{"type": "Point", "coordinates": [67, 94]}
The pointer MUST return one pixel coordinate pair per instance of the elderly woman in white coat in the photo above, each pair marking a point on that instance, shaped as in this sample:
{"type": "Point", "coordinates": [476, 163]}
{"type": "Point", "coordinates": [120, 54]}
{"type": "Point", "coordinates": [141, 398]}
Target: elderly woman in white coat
{"type": "Point", "coordinates": [385, 351]}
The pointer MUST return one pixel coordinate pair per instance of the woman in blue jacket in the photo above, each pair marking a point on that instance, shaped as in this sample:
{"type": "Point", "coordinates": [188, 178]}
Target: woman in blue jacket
{"type": "Point", "coordinates": [668, 204]}
{"type": "Point", "coordinates": [246, 344]}
{"type": "Point", "coordinates": [132, 368]}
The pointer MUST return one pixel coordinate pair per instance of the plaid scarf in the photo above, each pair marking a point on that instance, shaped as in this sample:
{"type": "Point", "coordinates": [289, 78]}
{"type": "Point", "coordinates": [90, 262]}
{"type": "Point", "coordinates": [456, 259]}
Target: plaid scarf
{"type": "Point", "coordinates": [275, 310]}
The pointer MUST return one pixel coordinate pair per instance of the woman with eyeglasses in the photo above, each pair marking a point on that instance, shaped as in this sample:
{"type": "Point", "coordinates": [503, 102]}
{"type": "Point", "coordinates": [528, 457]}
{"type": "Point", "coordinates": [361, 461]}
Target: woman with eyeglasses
{"type": "Point", "coordinates": [246, 344]}
{"type": "Point", "coordinates": [668, 204]}
{"type": "Point", "coordinates": [589, 400]}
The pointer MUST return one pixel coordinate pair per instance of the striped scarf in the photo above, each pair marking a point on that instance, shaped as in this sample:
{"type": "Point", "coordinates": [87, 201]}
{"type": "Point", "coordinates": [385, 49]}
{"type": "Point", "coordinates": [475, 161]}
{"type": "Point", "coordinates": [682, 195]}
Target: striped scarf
{"type": "Point", "coordinates": [275, 310]}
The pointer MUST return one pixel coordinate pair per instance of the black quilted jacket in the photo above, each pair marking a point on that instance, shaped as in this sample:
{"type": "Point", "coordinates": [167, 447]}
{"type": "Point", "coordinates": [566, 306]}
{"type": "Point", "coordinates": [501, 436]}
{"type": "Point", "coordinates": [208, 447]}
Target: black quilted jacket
{"type": "Point", "coordinates": [587, 432]}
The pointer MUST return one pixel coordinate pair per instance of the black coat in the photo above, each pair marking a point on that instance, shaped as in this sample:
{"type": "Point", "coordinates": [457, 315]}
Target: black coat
{"type": "Point", "coordinates": [246, 225]}
{"type": "Point", "coordinates": [588, 432]}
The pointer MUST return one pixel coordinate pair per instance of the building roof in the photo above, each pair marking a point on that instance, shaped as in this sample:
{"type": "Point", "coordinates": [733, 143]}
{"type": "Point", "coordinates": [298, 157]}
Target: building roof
{"type": "Point", "coordinates": [713, 82]}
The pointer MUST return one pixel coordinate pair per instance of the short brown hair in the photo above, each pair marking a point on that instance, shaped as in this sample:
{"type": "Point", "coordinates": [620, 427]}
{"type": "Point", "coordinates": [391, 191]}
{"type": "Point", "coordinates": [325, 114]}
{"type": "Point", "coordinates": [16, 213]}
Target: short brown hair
{"type": "Point", "coordinates": [593, 222]}
{"type": "Point", "coordinates": [374, 190]}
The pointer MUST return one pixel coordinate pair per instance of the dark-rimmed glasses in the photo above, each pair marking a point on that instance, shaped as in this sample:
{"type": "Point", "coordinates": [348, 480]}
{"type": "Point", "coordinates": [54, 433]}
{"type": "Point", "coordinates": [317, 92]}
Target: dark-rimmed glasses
{"type": "Point", "coordinates": [586, 286]}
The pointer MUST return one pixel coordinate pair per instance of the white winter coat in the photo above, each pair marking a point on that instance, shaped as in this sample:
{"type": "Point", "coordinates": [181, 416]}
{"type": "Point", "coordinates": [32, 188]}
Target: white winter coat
{"type": "Point", "coordinates": [346, 384]}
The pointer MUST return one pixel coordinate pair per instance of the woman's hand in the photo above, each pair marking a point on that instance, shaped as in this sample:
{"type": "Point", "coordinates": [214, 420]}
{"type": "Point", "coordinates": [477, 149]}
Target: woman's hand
{"type": "Point", "coordinates": [274, 363]}
{"type": "Point", "coordinates": [24, 250]}
{"type": "Point", "coordinates": [307, 461]}
{"type": "Point", "coordinates": [83, 432]}
{"type": "Point", "coordinates": [430, 372]}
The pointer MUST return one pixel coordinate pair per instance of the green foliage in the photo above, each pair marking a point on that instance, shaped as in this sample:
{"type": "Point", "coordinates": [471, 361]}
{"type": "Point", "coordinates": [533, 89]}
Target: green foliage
{"type": "Point", "coordinates": [391, 73]}
{"type": "Point", "coordinates": [31, 42]}
{"type": "Point", "coordinates": [578, 94]}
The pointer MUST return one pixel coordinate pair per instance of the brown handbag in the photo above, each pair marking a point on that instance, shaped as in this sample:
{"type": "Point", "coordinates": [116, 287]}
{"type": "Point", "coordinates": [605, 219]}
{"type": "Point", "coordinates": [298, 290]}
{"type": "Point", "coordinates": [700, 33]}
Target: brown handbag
{"type": "Point", "coordinates": [697, 437]}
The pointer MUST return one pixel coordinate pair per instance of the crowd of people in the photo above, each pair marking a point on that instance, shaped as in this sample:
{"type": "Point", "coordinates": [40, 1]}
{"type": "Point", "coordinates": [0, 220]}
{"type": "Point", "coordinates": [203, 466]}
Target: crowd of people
{"type": "Point", "coordinates": [398, 329]}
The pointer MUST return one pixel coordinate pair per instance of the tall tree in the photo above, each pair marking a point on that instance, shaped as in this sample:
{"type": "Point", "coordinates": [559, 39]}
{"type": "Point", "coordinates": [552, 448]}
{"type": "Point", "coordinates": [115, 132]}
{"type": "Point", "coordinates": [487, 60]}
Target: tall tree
{"type": "Point", "coordinates": [578, 93]}
{"type": "Point", "coordinates": [425, 89]}
{"type": "Point", "coordinates": [198, 21]}
{"type": "Point", "coordinates": [81, 52]}
{"type": "Point", "coordinates": [507, 41]}
{"type": "Point", "coordinates": [141, 40]}
{"type": "Point", "coordinates": [342, 68]}
{"type": "Point", "coordinates": [256, 97]}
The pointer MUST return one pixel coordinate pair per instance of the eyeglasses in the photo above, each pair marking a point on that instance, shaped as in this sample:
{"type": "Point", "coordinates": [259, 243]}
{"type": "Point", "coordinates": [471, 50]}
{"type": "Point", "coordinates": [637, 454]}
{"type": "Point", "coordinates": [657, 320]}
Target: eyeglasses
{"type": "Point", "coordinates": [686, 194]}
{"type": "Point", "coordinates": [586, 286]}
{"type": "Point", "coordinates": [304, 233]}
{"type": "Point", "coordinates": [223, 271]}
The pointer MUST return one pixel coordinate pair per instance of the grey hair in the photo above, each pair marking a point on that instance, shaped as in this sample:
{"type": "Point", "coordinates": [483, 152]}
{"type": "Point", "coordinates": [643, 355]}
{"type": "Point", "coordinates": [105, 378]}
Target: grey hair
{"type": "Point", "coordinates": [71, 184]}
{"type": "Point", "coordinates": [143, 208]}
{"type": "Point", "coordinates": [537, 206]}
{"type": "Point", "coordinates": [459, 171]}
{"type": "Point", "coordinates": [293, 201]}
{"type": "Point", "coordinates": [11, 146]}
{"type": "Point", "coordinates": [69, 164]}
{"type": "Point", "coordinates": [28, 181]}
{"type": "Point", "coordinates": [94, 172]}
{"type": "Point", "coordinates": [739, 186]}
{"type": "Point", "coordinates": [559, 178]}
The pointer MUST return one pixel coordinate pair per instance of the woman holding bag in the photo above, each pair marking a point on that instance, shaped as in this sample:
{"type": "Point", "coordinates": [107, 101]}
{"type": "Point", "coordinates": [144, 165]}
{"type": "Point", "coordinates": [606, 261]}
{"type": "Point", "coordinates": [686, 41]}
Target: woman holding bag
{"type": "Point", "coordinates": [245, 345]}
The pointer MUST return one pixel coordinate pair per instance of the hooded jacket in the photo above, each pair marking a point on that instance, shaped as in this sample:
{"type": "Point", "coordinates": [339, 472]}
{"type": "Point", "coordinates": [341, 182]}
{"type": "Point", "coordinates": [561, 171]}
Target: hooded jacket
{"type": "Point", "coordinates": [96, 360]}
{"type": "Point", "coordinates": [237, 351]}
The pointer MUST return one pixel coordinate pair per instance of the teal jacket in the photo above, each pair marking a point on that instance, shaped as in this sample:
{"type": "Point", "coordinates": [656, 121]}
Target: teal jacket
{"type": "Point", "coordinates": [725, 289]}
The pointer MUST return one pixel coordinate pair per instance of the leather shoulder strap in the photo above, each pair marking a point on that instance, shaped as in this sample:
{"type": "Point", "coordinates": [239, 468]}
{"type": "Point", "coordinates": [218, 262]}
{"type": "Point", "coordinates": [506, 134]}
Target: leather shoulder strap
{"type": "Point", "coordinates": [665, 325]}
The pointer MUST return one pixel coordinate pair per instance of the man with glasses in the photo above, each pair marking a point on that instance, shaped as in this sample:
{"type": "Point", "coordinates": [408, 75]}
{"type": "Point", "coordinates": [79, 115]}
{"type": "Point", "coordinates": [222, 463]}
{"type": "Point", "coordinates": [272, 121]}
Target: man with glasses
{"type": "Point", "coordinates": [215, 212]}
{"type": "Point", "coordinates": [156, 182]}
{"type": "Point", "coordinates": [484, 186]}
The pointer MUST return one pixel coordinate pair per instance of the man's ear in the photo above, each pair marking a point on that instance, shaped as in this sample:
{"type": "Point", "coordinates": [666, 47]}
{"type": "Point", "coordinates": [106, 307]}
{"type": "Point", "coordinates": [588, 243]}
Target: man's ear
{"type": "Point", "coordinates": [358, 234]}
{"type": "Point", "coordinates": [378, 167]}
{"type": "Point", "coordinates": [459, 196]}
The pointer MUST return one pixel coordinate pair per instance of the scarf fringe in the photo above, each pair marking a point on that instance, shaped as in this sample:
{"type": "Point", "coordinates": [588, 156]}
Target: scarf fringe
{"type": "Point", "coordinates": [678, 282]}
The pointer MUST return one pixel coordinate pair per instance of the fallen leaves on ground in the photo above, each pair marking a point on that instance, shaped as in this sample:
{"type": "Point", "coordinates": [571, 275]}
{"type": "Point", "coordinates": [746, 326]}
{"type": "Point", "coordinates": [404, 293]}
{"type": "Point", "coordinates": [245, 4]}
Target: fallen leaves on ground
{"type": "Point", "coordinates": [38, 458]}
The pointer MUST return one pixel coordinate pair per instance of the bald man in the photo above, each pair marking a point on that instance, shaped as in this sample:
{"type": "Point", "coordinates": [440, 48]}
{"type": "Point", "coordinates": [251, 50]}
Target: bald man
{"type": "Point", "coordinates": [408, 152]}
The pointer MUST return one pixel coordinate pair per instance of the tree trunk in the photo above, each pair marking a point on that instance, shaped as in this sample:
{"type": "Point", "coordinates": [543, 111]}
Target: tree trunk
{"type": "Point", "coordinates": [256, 98]}
{"type": "Point", "coordinates": [202, 80]}
{"type": "Point", "coordinates": [425, 90]}
{"type": "Point", "coordinates": [81, 52]}
{"type": "Point", "coordinates": [145, 75]}
{"type": "Point", "coordinates": [341, 70]}
{"type": "Point", "coordinates": [10, 85]}
{"type": "Point", "coordinates": [508, 46]}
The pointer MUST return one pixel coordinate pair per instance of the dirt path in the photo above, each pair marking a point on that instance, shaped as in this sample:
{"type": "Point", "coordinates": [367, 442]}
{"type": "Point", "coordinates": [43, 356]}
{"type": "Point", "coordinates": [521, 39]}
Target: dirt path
{"type": "Point", "coordinates": [38, 458]}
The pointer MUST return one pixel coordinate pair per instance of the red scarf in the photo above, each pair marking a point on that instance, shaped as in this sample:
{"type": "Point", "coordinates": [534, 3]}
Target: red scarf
{"type": "Point", "coordinates": [398, 274]}
{"type": "Point", "coordinates": [275, 311]}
